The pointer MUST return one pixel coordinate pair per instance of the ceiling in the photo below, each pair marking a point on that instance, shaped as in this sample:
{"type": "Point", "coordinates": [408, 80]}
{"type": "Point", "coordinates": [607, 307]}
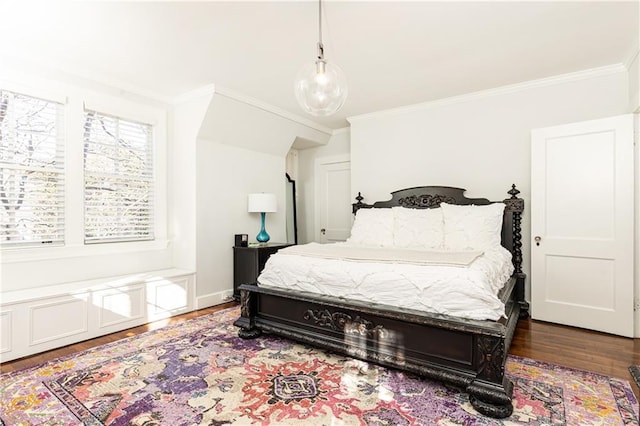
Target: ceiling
{"type": "Point", "coordinates": [394, 53]}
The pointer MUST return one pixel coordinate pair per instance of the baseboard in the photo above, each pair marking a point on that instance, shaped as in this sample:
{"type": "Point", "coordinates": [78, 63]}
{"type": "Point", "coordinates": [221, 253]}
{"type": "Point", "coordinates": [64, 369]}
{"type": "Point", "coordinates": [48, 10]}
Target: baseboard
{"type": "Point", "coordinates": [213, 299]}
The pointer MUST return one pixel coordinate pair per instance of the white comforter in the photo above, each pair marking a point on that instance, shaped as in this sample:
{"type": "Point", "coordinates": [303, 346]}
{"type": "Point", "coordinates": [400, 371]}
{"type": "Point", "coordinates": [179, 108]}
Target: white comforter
{"type": "Point", "coordinates": [466, 292]}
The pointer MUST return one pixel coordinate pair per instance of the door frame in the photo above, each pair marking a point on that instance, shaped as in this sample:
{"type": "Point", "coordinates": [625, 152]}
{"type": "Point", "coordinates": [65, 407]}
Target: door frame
{"type": "Point", "coordinates": [636, 246]}
{"type": "Point", "coordinates": [323, 161]}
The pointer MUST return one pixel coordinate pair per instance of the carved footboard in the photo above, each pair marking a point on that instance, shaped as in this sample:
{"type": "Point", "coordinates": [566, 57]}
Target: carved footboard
{"type": "Point", "coordinates": [466, 353]}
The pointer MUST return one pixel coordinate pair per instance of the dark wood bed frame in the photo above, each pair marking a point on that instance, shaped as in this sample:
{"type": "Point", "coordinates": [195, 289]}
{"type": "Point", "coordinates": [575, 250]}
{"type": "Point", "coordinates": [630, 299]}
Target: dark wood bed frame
{"type": "Point", "coordinates": [467, 353]}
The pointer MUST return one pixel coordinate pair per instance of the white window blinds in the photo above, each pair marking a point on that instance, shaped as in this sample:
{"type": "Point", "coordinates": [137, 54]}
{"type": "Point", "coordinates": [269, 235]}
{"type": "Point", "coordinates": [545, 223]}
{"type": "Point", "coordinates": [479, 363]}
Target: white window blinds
{"type": "Point", "coordinates": [31, 171]}
{"type": "Point", "coordinates": [118, 179]}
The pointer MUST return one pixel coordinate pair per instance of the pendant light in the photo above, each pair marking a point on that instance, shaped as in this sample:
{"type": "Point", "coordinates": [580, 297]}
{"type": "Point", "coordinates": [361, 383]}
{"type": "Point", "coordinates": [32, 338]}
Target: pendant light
{"type": "Point", "coordinates": [321, 86]}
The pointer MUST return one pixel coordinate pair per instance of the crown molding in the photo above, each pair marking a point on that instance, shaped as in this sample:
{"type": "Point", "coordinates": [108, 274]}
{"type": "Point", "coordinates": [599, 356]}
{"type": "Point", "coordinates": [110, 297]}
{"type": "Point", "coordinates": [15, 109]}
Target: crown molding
{"type": "Point", "coordinates": [232, 94]}
{"type": "Point", "coordinates": [82, 76]}
{"type": "Point", "coordinates": [341, 131]}
{"type": "Point", "coordinates": [39, 90]}
{"type": "Point", "coordinates": [198, 93]}
{"type": "Point", "coordinates": [108, 82]}
{"type": "Point", "coordinates": [93, 78]}
{"type": "Point", "coordinates": [502, 90]}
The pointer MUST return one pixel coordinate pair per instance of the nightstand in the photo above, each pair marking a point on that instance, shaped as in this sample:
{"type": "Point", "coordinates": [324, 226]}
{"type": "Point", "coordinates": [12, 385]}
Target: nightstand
{"type": "Point", "coordinates": [248, 262]}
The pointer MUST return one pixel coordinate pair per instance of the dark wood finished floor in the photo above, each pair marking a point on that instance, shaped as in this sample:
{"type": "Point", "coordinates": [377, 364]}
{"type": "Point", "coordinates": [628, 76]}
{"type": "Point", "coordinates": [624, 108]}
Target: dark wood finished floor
{"type": "Point", "coordinates": [567, 346]}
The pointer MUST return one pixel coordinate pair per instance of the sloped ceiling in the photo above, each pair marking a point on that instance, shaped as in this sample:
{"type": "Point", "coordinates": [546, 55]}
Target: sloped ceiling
{"type": "Point", "coordinates": [394, 53]}
{"type": "Point", "coordinates": [259, 131]}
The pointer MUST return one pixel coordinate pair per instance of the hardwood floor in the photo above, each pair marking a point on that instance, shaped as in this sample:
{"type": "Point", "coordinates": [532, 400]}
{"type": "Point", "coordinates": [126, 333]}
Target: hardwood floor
{"type": "Point", "coordinates": [567, 346]}
{"type": "Point", "coordinates": [577, 348]}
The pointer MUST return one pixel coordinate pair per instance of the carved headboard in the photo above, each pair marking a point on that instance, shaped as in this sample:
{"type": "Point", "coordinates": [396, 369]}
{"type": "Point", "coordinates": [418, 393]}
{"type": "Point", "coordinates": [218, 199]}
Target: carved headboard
{"type": "Point", "coordinates": [426, 197]}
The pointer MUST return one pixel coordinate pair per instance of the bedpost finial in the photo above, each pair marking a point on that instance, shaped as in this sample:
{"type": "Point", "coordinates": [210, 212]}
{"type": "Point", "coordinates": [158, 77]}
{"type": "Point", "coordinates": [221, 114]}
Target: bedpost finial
{"type": "Point", "coordinates": [358, 204]}
{"type": "Point", "coordinates": [513, 191]}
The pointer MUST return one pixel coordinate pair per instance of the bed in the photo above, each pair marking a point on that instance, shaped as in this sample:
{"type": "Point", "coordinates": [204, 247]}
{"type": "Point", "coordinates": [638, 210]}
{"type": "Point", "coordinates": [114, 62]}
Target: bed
{"type": "Point", "coordinates": [469, 352]}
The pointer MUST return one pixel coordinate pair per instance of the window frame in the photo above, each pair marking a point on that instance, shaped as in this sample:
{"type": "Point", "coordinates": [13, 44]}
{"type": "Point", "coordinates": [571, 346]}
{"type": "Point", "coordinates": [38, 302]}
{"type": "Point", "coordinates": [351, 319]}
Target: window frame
{"type": "Point", "coordinates": [146, 175]}
{"type": "Point", "coordinates": [59, 170]}
{"type": "Point", "coordinates": [75, 99]}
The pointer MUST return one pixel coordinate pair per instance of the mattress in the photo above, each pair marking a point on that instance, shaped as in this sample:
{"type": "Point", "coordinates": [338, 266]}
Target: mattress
{"type": "Point", "coordinates": [469, 292]}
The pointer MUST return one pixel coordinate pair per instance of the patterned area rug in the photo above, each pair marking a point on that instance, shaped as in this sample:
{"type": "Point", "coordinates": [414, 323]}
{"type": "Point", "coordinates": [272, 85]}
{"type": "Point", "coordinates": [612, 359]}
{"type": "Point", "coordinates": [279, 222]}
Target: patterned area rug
{"type": "Point", "coordinates": [635, 373]}
{"type": "Point", "coordinates": [200, 373]}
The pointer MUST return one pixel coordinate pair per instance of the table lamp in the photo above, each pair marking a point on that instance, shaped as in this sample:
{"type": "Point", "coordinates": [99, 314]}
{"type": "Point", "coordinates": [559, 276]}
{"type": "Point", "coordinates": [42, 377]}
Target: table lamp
{"type": "Point", "coordinates": [262, 203]}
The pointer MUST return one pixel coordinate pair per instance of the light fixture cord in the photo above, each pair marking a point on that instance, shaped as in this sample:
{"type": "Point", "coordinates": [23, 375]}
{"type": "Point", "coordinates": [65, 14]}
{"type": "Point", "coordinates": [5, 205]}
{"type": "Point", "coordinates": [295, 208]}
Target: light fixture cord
{"type": "Point", "coordinates": [320, 46]}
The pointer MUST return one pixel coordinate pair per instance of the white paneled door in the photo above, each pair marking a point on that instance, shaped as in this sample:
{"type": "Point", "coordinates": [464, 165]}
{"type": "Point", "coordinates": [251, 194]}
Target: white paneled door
{"type": "Point", "coordinates": [582, 224]}
{"type": "Point", "coordinates": [333, 201]}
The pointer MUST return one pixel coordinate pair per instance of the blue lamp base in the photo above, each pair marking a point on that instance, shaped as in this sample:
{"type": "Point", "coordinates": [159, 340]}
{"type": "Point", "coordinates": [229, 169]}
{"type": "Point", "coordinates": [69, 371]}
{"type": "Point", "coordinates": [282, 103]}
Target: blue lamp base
{"type": "Point", "coordinates": [263, 237]}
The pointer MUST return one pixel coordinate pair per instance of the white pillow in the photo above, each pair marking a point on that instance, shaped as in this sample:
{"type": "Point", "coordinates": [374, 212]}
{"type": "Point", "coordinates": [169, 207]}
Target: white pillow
{"type": "Point", "coordinates": [418, 228]}
{"type": "Point", "coordinates": [373, 228]}
{"type": "Point", "coordinates": [472, 227]}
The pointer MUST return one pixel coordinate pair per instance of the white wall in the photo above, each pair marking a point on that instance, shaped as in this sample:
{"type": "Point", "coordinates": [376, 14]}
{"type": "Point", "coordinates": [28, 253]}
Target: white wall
{"type": "Point", "coordinates": [481, 141]}
{"type": "Point", "coordinates": [186, 118]}
{"type": "Point", "coordinates": [226, 175]}
{"type": "Point", "coordinates": [339, 144]}
{"type": "Point", "coordinates": [241, 149]}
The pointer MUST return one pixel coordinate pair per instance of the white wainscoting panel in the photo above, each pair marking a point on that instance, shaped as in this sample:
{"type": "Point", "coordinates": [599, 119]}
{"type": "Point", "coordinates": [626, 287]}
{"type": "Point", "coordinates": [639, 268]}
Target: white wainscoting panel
{"type": "Point", "coordinates": [37, 320]}
{"type": "Point", "coordinates": [167, 297]}
{"type": "Point", "coordinates": [120, 305]}
{"type": "Point", "coordinates": [6, 343]}
{"type": "Point", "coordinates": [58, 319]}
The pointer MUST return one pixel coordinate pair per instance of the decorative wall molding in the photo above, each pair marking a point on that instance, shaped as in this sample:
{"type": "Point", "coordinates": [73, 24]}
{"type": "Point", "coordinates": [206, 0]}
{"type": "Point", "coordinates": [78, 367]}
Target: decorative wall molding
{"type": "Point", "coordinates": [503, 90]}
{"type": "Point", "coordinates": [6, 338]}
{"type": "Point", "coordinates": [84, 76]}
{"type": "Point", "coordinates": [117, 305]}
{"type": "Point", "coordinates": [54, 316]}
{"type": "Point", "coordinates": [58, 319]}
{"type": "Point", "coordinates": [91, 78]}
{"type": "Point", "coordinates": [167, 295]}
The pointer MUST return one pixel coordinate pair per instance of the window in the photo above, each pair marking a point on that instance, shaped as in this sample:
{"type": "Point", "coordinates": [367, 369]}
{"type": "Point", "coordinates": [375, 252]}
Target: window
{"type": "Point", "coordinates": [118, 179]}
{"type": "Point", "coordinates": [31, 171]}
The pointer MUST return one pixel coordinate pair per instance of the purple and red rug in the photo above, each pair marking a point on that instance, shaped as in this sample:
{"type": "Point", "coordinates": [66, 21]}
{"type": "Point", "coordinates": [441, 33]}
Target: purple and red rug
{"type": "Point", "coordinates": [200, 373]}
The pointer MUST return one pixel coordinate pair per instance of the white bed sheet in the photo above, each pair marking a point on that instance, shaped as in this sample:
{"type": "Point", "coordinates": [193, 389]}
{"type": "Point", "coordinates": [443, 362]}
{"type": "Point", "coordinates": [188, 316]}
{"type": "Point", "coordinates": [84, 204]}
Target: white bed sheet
{"type": "Point", "coordinates": [465, 292]}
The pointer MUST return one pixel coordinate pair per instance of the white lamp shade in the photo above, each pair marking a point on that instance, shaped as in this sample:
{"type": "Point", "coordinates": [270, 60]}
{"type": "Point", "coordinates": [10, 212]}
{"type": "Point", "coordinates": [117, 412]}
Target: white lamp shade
{"type": "Point", "coordinates": [262, 203]}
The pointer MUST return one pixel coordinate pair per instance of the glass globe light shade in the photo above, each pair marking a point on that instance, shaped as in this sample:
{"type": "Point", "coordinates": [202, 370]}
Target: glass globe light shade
{"type": "Point", "coordinates": [321, 88]}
